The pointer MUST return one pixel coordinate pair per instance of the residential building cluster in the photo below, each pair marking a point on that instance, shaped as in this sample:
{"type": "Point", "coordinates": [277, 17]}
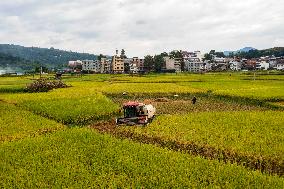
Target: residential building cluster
{"type": "Point", "coordinates": [262, 63]}
{"type": "Point", "coordinates": [187, 62]}
{"type": "Point", "coordinates": [116, 64]}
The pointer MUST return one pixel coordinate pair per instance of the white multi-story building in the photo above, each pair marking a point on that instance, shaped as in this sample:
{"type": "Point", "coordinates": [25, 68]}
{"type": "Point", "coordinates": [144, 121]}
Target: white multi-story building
{"type": "Point", "coordinates": [263, 65]}
{"type": "Point", "coordinates": [91, 66]}
{"type": "Point", "coordinates": [280, 66]}
{"type": "Point", "coordinates": [194, 64]}
{"type": "Point", "coordinates": [235, 65]}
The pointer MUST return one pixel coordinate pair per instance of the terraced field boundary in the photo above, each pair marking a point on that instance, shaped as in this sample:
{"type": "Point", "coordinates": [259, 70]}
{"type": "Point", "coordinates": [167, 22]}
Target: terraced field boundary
{"type": "Point", "coordinates": [262, 164]}
{"type": "Point", "coordinates": [263, 103]}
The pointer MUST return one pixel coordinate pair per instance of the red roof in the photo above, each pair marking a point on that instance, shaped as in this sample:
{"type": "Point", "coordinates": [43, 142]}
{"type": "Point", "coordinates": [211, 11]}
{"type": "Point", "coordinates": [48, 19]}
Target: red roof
{"type": "Point", "coordinates": [131, 103]}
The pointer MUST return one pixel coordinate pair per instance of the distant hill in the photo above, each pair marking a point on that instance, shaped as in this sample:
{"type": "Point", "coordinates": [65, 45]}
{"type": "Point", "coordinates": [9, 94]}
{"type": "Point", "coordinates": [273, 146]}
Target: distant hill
{"type": "Point", "coordinates": [51, 58]}
{"type": "Point", "coordinates": [11, 64]}
{"type": "Point", "coordinates": [246, 49]}
{"type": "Point", "coordinates": [276, 51]}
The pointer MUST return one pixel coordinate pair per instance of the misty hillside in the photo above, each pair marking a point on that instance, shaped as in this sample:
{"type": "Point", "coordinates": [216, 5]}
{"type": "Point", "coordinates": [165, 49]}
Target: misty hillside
{"type": "Point", "coordinates": [12, 64]}
{"type": "Point", "coordinates": [51, 57]}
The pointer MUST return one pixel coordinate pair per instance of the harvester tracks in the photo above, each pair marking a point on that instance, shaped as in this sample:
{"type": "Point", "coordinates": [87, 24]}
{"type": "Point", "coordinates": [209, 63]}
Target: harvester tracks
{"type": "Point", "coordinates": [263, 164]}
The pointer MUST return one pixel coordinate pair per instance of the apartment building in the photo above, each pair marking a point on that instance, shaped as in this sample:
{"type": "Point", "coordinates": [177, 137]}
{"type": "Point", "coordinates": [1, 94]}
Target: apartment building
{"type": "Point", "coordinates": [117, 64]}
{"type": "Point", "coordinates": [173, 63]}
{"type": "Point", "coordinates": [105, 65]}
{"type": "Point", "coordinates": [194, 64]}
{"type": "Point", "coordinates": [91, 66]}
{"type": "Point", "coordinates": [139, 63]}
{"type": "Point", "coordinates": [262, 65]}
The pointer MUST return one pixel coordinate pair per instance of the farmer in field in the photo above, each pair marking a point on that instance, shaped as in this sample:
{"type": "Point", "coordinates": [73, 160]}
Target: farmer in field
{"type": "Point", "coordinates": [194, 99]}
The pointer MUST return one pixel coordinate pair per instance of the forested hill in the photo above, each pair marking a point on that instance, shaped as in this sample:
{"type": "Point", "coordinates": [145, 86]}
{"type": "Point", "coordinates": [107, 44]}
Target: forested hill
{"type": "Point", "coordinates": [276, 51]}
{"type": "Point", "coordinates": [49, 57]}
{"type": "Point", "coordinates": [13, 64]}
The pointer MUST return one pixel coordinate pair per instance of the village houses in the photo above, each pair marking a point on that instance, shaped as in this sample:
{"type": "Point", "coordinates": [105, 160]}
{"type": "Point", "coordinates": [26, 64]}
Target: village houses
{"type": "Point", "coordinates": [189, 62]}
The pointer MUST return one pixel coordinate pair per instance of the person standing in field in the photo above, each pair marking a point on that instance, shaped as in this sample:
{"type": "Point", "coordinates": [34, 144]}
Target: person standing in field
{"type": "Point", "coordinates": [194, 99]}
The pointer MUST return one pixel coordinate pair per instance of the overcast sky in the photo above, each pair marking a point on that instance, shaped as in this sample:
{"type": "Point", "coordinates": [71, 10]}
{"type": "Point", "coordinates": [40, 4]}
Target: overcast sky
{"type": "Point", "coordinates": [142, 26]}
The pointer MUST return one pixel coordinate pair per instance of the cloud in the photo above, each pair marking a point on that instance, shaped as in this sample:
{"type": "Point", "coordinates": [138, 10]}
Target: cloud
{"type": "Point", "coordinates": [142, 26]}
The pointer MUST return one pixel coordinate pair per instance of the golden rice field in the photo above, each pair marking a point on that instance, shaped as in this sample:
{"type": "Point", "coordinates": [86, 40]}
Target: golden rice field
{"type": "Point", "coordinates": [65, 138]}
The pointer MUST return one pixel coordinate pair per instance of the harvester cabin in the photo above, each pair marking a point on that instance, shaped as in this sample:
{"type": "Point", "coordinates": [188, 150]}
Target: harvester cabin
{"type": "Point", "coordinates": [133, 109]}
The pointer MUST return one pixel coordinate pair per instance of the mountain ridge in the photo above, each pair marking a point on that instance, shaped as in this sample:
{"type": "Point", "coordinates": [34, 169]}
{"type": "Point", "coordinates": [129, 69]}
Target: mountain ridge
{"type": "Point", "coordinates": [245, 49]}
{"type": "Point", "coordinates": [48, 57]}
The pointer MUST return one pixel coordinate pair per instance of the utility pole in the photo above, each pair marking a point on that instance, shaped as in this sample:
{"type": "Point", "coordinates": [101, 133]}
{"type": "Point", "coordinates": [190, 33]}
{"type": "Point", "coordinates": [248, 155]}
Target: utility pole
{"type": "Point", "coordinates": [40, 72]}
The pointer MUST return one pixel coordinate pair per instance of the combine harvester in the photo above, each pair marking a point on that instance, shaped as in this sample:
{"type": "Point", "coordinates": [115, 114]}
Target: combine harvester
{"type": "Point", "coordinates": [136, 113]}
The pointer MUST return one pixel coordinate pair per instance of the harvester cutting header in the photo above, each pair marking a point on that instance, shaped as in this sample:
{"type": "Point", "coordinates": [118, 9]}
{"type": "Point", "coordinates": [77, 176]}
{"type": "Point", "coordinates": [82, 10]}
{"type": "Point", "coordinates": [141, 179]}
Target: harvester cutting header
{"type": "Point", "coordinates": [136, 113]}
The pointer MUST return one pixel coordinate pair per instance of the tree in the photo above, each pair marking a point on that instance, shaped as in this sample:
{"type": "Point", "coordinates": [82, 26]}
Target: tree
{"type": "Point", "coordinates": [164, 54]}
{"type": "Point", "coordinates": [212, 52]}
{"type": "Point", "coordinates": [122, 54]}
{"type": "Point", "coordinates": [219, 54]}
{"type": "Point", "coordinates": [158, 63]}
{"type": "Point", "coordinates": [101, 56]}
{"type": "Point", "coordinates": [175, 54]}
{"type": "Point", "coordinates": [208, 57]}
{"type": "Point", "coordinates": [148, 63]}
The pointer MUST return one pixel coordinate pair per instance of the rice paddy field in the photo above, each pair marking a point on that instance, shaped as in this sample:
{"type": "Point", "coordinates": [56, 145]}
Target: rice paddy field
{"type": "Point", "coordinates": [233, 137]}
